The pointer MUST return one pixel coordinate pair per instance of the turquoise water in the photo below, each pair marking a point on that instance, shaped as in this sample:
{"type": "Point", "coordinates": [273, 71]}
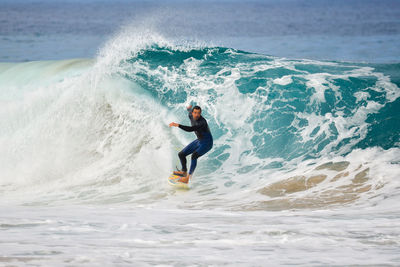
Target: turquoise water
{"type": "Point", "coordinates": [350, 101]}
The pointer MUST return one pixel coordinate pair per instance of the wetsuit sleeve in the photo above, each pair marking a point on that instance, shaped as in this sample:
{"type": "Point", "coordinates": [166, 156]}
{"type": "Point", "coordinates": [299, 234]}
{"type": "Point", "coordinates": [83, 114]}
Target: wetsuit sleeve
{"type": "Point", "coordinates": [192, 128]}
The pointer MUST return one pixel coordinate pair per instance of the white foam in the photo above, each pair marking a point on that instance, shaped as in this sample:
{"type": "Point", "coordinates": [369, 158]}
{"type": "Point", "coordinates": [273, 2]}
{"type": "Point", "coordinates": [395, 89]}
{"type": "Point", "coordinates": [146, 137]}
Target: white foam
{"type": "Point", "coordinates": [71, 132]}
{"type": "Point", "coordinates": [284, 80]}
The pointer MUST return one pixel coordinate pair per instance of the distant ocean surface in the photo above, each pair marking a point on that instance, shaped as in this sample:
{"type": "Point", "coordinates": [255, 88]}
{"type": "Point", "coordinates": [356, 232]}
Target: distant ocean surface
{"type": "Point", "coordinates": [355, 30]}
{"type": "Point", "coordinates": [302, 99]}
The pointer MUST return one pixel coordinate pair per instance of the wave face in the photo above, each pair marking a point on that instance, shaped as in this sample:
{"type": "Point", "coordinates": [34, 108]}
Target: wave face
{"type": "Point", "coordinates": [288, 133]}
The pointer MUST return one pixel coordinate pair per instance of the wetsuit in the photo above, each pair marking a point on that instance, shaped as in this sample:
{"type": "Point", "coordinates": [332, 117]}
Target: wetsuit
{"type": "Point", "coordinates": [198, 147]}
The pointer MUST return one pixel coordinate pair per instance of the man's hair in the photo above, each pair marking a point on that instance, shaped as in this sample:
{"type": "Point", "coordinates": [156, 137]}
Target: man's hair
{"type": "Point", "coordinates": [196, 107]}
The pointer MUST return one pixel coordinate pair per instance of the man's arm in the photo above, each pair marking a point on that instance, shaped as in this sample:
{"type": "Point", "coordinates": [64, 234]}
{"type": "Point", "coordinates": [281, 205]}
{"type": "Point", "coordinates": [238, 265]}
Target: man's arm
{"type": "Point", "coordinates": [192, 128]}
{"type": "Point", "coordinates": [187, 128]}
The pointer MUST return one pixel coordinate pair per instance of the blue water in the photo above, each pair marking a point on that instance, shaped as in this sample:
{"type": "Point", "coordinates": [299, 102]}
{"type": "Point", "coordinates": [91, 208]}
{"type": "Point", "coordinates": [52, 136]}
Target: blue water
{"type": "Point", "coordinates": [356, 30]}
{"type": "Point", "coordinates": [302, 98]}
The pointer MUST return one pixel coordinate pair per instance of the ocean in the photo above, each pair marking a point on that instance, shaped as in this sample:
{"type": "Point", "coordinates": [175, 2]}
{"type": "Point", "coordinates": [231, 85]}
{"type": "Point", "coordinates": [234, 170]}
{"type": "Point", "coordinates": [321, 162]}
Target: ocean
{"type": "Point", "coordinates": [302, 98]}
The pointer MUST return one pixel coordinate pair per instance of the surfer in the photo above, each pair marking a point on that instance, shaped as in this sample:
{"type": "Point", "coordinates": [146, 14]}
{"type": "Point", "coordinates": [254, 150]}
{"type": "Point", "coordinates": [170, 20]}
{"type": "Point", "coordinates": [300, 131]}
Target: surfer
{"type": "Point", "coordinates": [198, 147]}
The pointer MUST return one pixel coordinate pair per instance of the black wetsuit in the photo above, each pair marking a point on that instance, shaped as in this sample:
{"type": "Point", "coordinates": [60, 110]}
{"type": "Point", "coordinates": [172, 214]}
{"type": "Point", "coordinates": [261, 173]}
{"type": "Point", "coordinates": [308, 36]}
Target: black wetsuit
{"type": "Point", "coordinates": [198, 147]}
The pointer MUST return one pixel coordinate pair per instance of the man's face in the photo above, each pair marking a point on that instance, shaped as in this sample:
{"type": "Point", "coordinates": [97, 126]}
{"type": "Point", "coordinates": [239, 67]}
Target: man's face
{"type": "Point", "coordinates": [196, 113]}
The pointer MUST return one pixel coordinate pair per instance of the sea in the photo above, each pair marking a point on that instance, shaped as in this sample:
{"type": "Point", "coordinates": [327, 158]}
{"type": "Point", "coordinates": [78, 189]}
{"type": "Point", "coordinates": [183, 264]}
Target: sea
{"type": "Point", "coordinates": [302, 98]}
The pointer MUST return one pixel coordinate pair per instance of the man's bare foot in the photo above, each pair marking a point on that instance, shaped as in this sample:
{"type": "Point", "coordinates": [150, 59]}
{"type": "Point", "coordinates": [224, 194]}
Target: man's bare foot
{"type": "Point", "coordinates": [184, 179]}
{"type": "Point", "coordinates": [180, 173]}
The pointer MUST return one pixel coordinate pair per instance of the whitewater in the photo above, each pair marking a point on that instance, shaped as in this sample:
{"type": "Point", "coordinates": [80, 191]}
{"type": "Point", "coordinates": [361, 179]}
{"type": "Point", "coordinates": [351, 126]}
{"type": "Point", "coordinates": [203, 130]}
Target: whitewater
{"type": "Point", "coordinates": [304, 168]}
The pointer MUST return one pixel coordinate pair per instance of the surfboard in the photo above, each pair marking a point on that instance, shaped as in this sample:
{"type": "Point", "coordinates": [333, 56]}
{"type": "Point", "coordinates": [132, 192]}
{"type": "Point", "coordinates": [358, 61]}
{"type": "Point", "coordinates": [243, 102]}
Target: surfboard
{"type": "Point", "coordinates": [173, 181]}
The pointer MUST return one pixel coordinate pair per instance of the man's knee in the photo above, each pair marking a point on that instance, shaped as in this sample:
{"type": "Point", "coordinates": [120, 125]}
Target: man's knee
{"type": "Point", "coordinates": [195, 155]}
{"type": "Point", "coordinates": [181, 154]}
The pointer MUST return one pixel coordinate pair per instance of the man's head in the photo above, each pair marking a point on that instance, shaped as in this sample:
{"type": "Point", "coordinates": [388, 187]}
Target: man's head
{"type": "Point", "coordinates": [196, 112]}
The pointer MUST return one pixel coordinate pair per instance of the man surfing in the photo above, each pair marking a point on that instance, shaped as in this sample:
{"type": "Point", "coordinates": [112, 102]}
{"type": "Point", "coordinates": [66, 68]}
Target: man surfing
{"type": "Point", "coordinates": [198, 147]}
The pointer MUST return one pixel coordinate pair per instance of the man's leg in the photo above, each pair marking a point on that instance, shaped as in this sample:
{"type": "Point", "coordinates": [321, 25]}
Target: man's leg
{"type": "Point", "coordinates": [189, 149]}
{"type": "Point", "coordinates": [197, 154]}
{"type": "Point", "coordinates": [200, 151]}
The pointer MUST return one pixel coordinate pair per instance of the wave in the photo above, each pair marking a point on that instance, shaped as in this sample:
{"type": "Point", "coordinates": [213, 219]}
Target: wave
{"type": "Point", "coordinates": [288, 133]}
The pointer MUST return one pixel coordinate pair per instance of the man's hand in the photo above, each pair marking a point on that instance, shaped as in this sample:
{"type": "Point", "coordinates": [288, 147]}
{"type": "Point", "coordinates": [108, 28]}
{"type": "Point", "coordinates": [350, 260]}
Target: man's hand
{"type": "Point", "coordinates": [189, 107]}
{"type": "Point", "coordinates": [173, 124]}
